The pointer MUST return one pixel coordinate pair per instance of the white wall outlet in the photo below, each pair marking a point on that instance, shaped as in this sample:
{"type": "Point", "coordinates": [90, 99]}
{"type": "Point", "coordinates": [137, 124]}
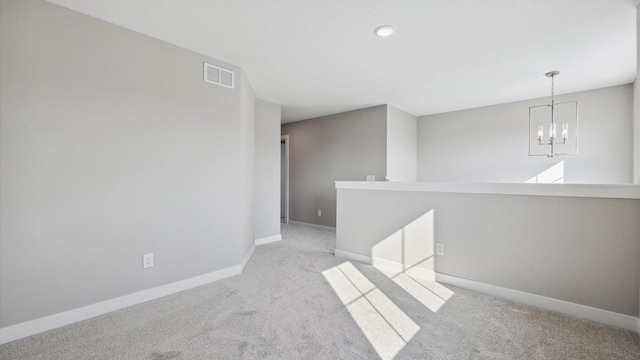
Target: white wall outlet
{"type": "Point", "coordinates": [319, 212]}
{"type": "Point", "coordinates": [440, 249]}
{"type": "Point", "coordinates": [147, 260]}
{"type": "Point", "coordinates": [371, 178]}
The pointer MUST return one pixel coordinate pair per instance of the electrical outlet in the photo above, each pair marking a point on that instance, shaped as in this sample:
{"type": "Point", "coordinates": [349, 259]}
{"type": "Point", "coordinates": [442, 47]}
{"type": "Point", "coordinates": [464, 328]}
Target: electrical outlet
{"type": "Point", "coordinates": [319, 212]}
{"type": "Point", "coordinates": [440, 249]}
{"type": "Point", "coordinates": [147, 260]}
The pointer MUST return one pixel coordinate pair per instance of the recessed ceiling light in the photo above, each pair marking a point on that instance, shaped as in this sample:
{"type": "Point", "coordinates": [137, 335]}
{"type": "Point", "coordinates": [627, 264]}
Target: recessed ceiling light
{"type": "Point", "coordinates": [384, 30]}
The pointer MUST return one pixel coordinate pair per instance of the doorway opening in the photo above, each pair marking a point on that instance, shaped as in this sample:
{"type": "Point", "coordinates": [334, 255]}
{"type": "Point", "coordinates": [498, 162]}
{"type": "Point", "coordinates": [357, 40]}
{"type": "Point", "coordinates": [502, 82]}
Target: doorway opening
{"type": "Point", "coordinates": [284, 179]}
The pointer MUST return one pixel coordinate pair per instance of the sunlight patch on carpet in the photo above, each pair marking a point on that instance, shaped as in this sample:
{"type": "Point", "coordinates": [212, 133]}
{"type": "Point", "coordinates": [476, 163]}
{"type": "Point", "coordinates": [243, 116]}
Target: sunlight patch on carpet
{"type": "Point", "coordinates": [423, 288]}
{"type": "Point", "coordinates": [384, 324]}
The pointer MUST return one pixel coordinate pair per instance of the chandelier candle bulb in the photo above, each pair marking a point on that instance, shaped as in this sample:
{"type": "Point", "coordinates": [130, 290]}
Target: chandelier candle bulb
{"type": "Point", "coordinates": [540, 132]}
{"type": "Point", "coordinates": [565, 131]}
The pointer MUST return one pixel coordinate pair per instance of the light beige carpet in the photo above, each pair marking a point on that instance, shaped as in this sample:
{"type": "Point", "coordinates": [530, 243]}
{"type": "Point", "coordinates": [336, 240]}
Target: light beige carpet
{"type": "Point", "coordinates": [295, 300]}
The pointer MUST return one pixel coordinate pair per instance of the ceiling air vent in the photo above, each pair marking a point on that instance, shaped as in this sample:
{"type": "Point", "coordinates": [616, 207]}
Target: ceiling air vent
{"type": "Point", "coordinates": [218, 75]}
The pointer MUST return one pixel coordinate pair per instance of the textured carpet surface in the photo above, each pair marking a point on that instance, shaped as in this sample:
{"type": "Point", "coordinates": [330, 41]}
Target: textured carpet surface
{"type": "Point", "coordinates": [284, 307]}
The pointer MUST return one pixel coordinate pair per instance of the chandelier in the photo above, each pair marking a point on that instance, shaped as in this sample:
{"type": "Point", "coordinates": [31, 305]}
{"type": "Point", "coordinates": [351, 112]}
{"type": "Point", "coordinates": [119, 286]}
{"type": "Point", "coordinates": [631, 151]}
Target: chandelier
{"type": "Point", "coordinates": [544, 138]}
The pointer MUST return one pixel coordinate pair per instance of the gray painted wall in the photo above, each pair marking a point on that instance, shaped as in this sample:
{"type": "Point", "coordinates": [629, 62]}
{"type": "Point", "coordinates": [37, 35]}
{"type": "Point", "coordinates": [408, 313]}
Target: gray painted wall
{"type": "Point", "coordinates": [345, 146]}
{"type": "Point", "coordinates": [490, 144]}
{"type": "Point", "coordinates": [581, 250]}
{"type": "Point", "coordinates": [111, 146]}
{"type": "Point", "coordinates": [267, 184]}
{"type": "Point", "coordinates": [402, 147]}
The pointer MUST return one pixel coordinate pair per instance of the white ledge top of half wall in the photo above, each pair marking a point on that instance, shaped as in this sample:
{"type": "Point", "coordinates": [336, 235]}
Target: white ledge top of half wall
{"type": "Point", "coordinates": [612, 191]}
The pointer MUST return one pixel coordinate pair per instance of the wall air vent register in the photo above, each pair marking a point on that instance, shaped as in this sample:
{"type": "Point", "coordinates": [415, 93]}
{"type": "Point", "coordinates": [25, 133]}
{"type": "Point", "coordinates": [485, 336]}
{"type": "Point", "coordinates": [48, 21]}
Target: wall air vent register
{"type": "Point", "coordinates": [219, 76]}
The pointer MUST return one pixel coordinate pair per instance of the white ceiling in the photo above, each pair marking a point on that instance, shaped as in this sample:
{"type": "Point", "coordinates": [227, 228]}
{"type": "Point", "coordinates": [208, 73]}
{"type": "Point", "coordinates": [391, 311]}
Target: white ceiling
{"type": "Point", "coordinates": [318, 57]}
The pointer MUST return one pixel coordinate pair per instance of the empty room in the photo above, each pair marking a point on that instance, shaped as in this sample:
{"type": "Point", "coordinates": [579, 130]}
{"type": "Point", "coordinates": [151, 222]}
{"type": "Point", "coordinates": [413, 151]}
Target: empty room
{"type": "Point", "coordinates": [360, 179]}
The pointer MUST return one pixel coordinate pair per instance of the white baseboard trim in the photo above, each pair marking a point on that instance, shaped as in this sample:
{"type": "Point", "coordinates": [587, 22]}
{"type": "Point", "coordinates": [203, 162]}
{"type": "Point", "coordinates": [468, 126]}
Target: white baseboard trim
{"type": "Point", "coordinates": [580, 311]}
{"type": "Point", "coordinates": [28, 328]}
{"type": "Point", "coordinates": [387, 265]}
{"type": "Point", "coordinates": [353, 256]}
{"type": "Point", "coordinates": [268, 239]}
{"type": "Point", "coordinates": [247, 257]}
{"type": "Point", "coordinates": [392, 267]}
{"type": "Point", "coordinates": [312, 226]}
